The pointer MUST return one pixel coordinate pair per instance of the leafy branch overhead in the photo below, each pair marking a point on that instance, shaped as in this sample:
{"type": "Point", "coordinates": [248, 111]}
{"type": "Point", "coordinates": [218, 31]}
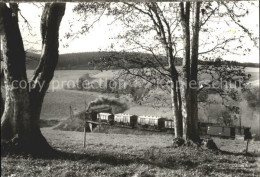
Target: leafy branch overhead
{"type": "Point", "coordinates": [141, 19]}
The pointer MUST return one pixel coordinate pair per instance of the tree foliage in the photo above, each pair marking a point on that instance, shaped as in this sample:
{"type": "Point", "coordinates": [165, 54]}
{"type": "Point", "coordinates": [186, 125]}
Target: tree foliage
{"type": "Point", "coordinates": [170, 31]}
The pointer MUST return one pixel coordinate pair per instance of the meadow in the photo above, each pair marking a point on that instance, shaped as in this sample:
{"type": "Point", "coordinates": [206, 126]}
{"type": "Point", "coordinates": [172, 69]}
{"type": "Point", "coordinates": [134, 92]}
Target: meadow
{"type": "Point", "coordinates": [122, 155]}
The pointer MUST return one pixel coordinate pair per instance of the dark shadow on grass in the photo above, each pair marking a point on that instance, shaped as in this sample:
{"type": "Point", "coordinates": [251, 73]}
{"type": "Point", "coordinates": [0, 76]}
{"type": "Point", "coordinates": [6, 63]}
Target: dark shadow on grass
{"type": "Point", "coordinates": [237, 153]}
{"type": "Point", "coordinates": [165, 161]}
{"type": "Point", "coordinates": [111, 159]}
{"type": "Point", "coordinates": [230, 171]}
{"type": "Point", "coordinates": [170, 161]}
{"type": "Point", "coordinates": [126, 160]}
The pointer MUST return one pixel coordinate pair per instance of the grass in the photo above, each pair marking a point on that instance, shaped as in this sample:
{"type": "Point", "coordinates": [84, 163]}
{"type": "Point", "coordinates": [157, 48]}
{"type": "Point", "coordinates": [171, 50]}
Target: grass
{"type": "Point", "coordinates": [57, 100]}
{"type": "Point", "coordinates": [132, 155]}
{"type": "Point", "coordinates": [65, 75]}
{"type": "Point", "coordinates": [56, 104]}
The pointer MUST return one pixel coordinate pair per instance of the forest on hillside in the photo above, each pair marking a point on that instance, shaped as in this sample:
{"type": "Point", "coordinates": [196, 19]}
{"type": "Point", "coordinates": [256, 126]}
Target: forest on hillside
{"type": "Point", "coordinates": [108, 60]}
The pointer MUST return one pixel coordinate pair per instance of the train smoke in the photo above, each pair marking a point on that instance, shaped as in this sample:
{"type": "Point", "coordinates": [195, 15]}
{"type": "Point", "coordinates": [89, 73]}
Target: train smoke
{"type": "Point", "coordinates": [116, 106]}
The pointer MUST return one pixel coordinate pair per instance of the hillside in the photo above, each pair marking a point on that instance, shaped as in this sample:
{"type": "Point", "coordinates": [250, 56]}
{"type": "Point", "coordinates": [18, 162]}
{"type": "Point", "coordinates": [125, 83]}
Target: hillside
{"type": "Point", "coordinates": [96, 60]}
{"type": "Point", "coordinates": [107, 60]}
{"type": "Point", "coordinates": [32, 60]}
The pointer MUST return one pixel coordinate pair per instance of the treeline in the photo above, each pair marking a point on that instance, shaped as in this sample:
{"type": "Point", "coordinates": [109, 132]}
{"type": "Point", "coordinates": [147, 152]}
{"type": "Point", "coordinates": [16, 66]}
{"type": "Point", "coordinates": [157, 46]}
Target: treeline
{"type": "Point", "coordinates": [233, 63]}
{"type": "Point", "coordinates": [111, 60]}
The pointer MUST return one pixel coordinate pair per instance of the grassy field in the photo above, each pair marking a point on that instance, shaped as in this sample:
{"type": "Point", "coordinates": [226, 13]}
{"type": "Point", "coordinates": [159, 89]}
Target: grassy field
{"type": "Point", "coordinates": [133, 155]}
{"type": "Point", "coordinates": [65, 76]}
{"type": "Point", "coordinates": [58, 100]}
{"type": "Point", "coordinates": [56, 104]}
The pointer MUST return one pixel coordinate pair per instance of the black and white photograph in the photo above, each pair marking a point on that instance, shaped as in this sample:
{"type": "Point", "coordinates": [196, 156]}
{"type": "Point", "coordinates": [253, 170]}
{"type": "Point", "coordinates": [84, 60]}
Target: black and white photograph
{"type": "Point", "coordinates": [141, 88]}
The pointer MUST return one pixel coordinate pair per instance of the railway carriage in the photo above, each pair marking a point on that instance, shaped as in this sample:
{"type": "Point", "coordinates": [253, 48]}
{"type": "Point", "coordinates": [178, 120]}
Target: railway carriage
{"type": "Point", "coordinates": [222, 131]}
{"type": "Point", "coordinates": [126, 119]}
{"type": "Point", "coordinates": [243, 132]}
{"type": "Point", "coordinates": [229, 131]}
{"type": "Point", "coordinates": [119, 119]}
{"type": "Point", "coordinates": [169, 124]}
{"type": "Point", "coordinates": [106, 117]}
{"type": "Point", "coordinates": [203, 127]}
{"type": "Point", "coordinates": [93, 112]}
{"type": "Point", "coordinates": [151, 122]}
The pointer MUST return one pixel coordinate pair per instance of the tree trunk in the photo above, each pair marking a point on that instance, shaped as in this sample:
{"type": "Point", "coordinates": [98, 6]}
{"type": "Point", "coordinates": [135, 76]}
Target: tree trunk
{"type": "Point", "coordinates": [186, 96]}
{"type": "Point", "coordinates": [2, 86]}
{"type": "Point", "coordinates": [50, 22]}
{"type": "Point", "coordinates": [2, 104]}
{"type": "Point", "coordinates": [194, 72]}
{"type": "Point", "coordinates": [175, 94]}
{"type": "Point", "coordinates": [174, 75]}
{"type": "Point", "coordinates": [20, 120]}
{"type": "Point", "coordinates": [178, 130]}
{"type": "Point", "coordinates": [17, 98]}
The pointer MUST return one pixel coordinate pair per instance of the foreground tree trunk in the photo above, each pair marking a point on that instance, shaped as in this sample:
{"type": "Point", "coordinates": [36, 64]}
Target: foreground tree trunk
{"type": "Point", "coordinates": [175, 95]}
{"type": "Point", "coordinates": [16, 108]}
{"type": "Point", "coordinates": [194, 72]}
{"type": "Point", "coordinates": [186, 112]}
{"type": "Point", "coordinates": [190, 72]}
{"type": "Point", "coordinates": [176, 108]}
{"type": "Point", "coordinates": [2, 105]}
{"type": "Point", "coordinates": [20, 120]}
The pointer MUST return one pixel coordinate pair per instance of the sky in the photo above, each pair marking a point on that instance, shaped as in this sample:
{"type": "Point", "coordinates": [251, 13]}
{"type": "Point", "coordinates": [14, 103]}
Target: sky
{"type": "Point", "coordinates": [99, 37]}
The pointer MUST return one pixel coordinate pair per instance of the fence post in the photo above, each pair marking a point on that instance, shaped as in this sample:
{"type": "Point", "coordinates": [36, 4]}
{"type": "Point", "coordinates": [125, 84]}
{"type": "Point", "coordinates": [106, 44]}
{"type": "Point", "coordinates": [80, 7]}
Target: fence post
{"type": "Point", "coordinates": [247, 144]}
{"type": "Point", "coordinates": [84, 140]}
{"type": "Point", "coordinates": [99, 120]}
{"type": "Point", "coordinates": [71, 112]}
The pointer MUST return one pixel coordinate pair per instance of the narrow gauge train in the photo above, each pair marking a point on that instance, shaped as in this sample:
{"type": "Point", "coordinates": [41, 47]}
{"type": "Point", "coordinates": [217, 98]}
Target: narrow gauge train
{"type": "Point", "coordinates": [163, 124]}
{"type": "Point", "coordinates": [133, 121]}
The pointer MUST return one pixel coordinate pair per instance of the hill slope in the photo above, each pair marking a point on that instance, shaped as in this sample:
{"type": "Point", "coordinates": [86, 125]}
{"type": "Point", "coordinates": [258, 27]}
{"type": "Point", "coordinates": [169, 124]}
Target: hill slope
{"type": "Point", "coordinates": [94, 60]}
{"type": "Point", "coordinates": [101, 60]}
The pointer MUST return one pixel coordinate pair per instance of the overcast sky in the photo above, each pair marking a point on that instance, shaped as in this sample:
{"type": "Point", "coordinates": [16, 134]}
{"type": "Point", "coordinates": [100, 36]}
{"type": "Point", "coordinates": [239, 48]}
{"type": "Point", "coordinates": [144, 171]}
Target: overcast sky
{"type": "Point", "coordinates": [99, 37]}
